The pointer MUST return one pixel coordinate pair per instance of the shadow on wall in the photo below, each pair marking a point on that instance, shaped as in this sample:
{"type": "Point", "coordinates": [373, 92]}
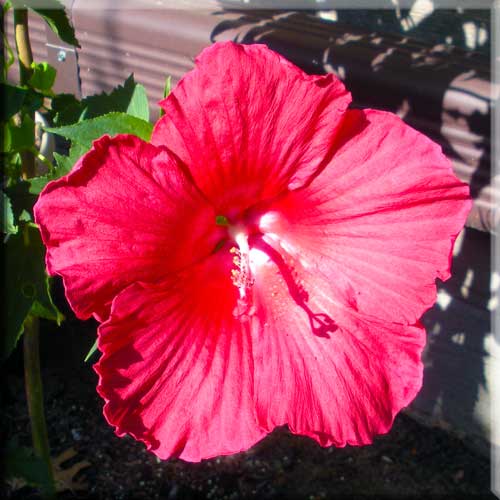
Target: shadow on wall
{"type": "Point", "coordinates": [429, 76]}
{"type": "Point", "coordinates": [456, 386]}
{"type": "Point", "coordinates": [437, 88]}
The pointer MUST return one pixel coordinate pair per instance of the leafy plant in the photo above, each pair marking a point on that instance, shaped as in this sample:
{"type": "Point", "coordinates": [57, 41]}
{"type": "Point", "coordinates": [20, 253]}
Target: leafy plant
{"type": "Point", "coordinates": [26, 173]}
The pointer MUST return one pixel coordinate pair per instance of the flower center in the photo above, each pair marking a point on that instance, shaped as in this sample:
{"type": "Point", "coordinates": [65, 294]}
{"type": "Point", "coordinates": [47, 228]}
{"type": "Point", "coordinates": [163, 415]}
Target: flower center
{"type": "Point", "coordinates": [250, 251]}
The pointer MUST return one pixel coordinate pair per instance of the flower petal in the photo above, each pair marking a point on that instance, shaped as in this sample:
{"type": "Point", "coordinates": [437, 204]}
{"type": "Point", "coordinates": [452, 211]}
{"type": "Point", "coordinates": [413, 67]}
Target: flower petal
{"type": "Point", "coordinates": [117, 218]}
{"type": "Point", "coordinates": [376, 227]}
{"type": "Point", "coordinates": [177, 367]}
{"type": "Point", "coordinates": [248, 123]}
{"type": "Point", "coordinates": [334, 376]}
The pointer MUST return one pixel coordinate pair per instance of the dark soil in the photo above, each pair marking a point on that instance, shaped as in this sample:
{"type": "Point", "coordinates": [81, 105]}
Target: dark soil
{"type": "Point", "coordinates": [411, 461]}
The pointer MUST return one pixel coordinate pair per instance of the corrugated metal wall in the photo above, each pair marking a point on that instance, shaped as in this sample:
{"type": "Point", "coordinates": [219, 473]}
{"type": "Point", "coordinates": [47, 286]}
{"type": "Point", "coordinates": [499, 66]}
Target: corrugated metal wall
{"type": "Point", "coordinates": [445, 93]}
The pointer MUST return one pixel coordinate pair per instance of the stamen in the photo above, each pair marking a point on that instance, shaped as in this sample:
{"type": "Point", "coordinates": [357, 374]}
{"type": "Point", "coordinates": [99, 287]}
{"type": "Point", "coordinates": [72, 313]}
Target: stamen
{"type": "Point", "coordinates": [241, 276]}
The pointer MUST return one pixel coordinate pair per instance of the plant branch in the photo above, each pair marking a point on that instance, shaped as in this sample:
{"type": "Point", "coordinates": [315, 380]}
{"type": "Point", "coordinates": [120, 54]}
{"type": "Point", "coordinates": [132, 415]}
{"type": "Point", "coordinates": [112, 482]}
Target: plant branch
{"type": "Point", "coordinates": [25, 58]}
{"type": "Point", "coordinates": [23, 45]}
{"type": "Point", "coordinates": [40, 157]}
{"type": "Point", "coordinates": [34, 396]}
{"type": "Point", "coordinates": [32, 375]}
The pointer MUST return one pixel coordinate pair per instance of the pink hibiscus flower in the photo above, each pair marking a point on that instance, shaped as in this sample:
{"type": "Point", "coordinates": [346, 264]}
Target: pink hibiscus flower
{"type": "Point", "coordinates": [263, 261]}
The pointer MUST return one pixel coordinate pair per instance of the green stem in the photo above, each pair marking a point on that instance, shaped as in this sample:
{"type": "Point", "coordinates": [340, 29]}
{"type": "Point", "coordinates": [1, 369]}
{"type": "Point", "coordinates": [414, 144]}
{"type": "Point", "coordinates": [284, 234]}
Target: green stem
{"type": "Point", "coordinates": [25, 58]}
{"type": "Point", "coordinates": [23, 44]}
{"type": "Point", "coordinates": [32, 374]}
{"type": "Point", "coordinates": [34, 396]}
{"type": "Point", "coordinates": [10, 56]}
{"type": "Point", "coordinates": [39, 156]}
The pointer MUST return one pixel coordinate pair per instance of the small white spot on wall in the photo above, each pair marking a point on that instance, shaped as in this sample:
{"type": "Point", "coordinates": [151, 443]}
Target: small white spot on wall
{"type": "Point", "coordinates": [475, 35]}
{"type": "Point", "coordinates": [443, 300]}
{"type": "Point", "coordinates": [420, 10]}
{"type": "Point", "coordinates": [328, 15]}
{"type": "Point", "coordinates": [458, 243]}
{"type": "Point", "coordinates": [458, 338]}
{"type": "Point", "coordinates": [469, 278]}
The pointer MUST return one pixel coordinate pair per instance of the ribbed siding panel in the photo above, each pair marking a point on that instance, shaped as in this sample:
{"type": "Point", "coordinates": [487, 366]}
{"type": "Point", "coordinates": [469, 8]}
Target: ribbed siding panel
{"type": "Point", "coordinates": [150, 43]}
{"type": "Point", "coordinates": [445, 93]}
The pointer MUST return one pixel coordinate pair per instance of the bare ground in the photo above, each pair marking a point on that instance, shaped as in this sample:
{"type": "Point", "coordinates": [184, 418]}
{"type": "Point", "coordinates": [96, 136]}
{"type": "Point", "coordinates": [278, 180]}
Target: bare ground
{"type": "Point", "coordinates": [411, 461]}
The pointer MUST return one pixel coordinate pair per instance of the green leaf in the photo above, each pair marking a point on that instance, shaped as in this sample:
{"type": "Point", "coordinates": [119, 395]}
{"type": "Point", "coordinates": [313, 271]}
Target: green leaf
{"type": "Point", "coordinates": [10, 56]}
{"type": "Point", "coordinates": [8, 216]}
{"type": "Point", "coordinates": [91, 351]}
{"type": "Point", "coordinates": [12, 99]}
{"type": "Point", "coordinates": [166, 91]}
{"type": "Point", "coordinates": [54, 15]}
{"type": "Point", "coordinates": [6, 143]}
{"type": "Point", "coordinates": [64, 166]}
{"type": "Point", "coordinates": [59, 23]}
{"type": "Point", "coordinates": [128, 98]}
{"type": "Point", "coordinates": [21, 462]}
{"type": "Point", "coordinates": [25, 284]}
{"type": "Point", "coordinates": [12, 165]}
{"type": "Point", "coordinates": [83, 133]}
{"type": "Point", "coordinates": [33, 101]}
{"type": "Point", "coordinates": [66, 109]}
{"type": "Point", "coordinates": [38, 183]}
{"type": "Point", "coordinates": [20, 197]}
{"type": "Point", "coordinates": [66, 163]}
{"type": "Point", "coordinates": [168, 86]}
{"type": "Point", "coordinates": [23, 136]}
{"type": "Point", "coordinates": [87, 131]}
{"type": "Point", "coordinates": [16, 98]}
{"type": "Point", "coordinates": [43, 76]}
{"type": "Point", "coordinates": [45, 308]}
{"type": "Point", "coordinates": [25, 216]}
{"type": "Point", "coordinates": [139, 105]}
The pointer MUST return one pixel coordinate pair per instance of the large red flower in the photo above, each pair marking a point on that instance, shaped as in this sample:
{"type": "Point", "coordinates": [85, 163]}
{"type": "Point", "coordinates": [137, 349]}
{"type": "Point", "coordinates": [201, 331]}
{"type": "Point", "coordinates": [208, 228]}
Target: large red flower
{"type": "Point", "coordinates": [264, 261]}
